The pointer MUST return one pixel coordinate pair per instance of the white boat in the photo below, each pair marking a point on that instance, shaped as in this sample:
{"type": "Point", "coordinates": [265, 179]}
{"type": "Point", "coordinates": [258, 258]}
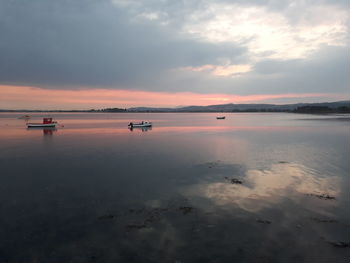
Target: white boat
{"type": "Point", "coordinates": [40, 125]}
{"type": "Point", "coordinates": [47, 122]}
{"type": "Point", "coordinates": [140, 124]}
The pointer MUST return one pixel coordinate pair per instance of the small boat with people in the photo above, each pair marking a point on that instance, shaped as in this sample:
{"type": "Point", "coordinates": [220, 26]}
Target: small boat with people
{"type": "Point", "coordinates": [47, 122]}
{"type": "Point", "coordinates": [140, 124]}
{"type": "Point", "coordinates": [24, 117]}
{"type": "Point", "coordinates": [220, 118]}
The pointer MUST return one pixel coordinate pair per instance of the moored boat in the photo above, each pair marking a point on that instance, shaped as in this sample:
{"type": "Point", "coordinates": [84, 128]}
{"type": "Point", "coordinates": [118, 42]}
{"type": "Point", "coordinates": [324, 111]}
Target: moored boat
{"type": "Point", "coordinates": [140, 124]}
{"type": "Point", "coordinates": [220, 118]}
{"type": "Point", "coordinates": [47, 122]}
{"type": "Point", "coordinates": [26, 117]}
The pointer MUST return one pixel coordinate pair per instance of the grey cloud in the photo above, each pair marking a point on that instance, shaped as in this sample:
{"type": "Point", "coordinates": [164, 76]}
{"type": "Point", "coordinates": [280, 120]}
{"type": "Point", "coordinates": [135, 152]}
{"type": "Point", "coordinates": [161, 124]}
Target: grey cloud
{"type": "Point", "coordinates": [92, 43]}
{"type": "Point", "coordinates": [324, 72]}
{"type": "Point", "coordinates": [85, 43]}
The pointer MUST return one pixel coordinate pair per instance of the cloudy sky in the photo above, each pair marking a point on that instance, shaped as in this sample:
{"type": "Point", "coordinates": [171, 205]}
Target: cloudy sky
{"type": "Point", "coordinates": [82, 54]}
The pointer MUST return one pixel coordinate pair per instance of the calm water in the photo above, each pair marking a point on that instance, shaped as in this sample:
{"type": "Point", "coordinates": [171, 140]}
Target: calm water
{"type": "Point", "coordinates": [251, 188]}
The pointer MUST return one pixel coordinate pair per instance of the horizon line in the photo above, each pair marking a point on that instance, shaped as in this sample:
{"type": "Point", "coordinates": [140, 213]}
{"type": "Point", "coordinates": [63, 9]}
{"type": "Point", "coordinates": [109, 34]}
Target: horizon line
{"type": "Point", "coordinates": [173, 108]}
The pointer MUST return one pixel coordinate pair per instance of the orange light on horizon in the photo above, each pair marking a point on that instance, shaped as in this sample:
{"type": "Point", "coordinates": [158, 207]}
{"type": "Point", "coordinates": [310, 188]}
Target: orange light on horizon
{"type": "Point", "coordinates": [25, 97]}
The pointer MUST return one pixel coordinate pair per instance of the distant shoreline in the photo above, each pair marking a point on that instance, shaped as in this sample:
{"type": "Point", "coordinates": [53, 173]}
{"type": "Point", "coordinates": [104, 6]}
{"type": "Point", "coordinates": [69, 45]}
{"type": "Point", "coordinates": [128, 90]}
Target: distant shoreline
{"type": "Point", "coordinates": [323, 108]}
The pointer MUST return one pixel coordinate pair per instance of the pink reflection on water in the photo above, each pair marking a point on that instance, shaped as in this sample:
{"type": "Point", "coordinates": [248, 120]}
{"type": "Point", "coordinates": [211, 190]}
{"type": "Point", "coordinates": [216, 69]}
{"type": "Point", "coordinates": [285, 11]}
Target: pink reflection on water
{"type": "Point", "coordinates": [15, 132]}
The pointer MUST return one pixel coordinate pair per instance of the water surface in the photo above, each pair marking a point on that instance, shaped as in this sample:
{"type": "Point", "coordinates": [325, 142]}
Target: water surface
{"type": "Point", "coordinates": [254, 187]}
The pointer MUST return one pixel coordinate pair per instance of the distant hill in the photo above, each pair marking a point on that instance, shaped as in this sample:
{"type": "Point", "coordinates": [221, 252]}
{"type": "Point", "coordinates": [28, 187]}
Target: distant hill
{"type": "Point", "coordinates": [113, 110]}
{"type": "Point", "coordinates": [323, 107]}
{"type": "Point", "coordinates": [244, 107]}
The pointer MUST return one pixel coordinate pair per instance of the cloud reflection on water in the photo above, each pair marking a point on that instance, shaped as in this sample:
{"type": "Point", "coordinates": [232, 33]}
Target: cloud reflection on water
{"type": "Point", "coordinates": [262, 188]}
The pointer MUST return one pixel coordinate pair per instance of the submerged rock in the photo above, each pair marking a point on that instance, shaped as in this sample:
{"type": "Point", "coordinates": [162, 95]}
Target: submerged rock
{"type": "Point", "coordinates": [212, 164]}
{"type": "Point", "coordinates": [339, 244]}
{"type": "Point", "coordinates": [261, 221]}
{"type": "Point", "coordinates": [320, 220]}
{"type": "Point", "coordinates": [323, 196]}
{"type": "Point", "coordinates": [104, 217]}
{"type": "Point", "coordinates": [149, 216]}
{"type": "Point", "coordinates": [136, 226]}
{"type": "Point", "coordinates": [233, 180]}
{"type": "Point", "coordinates": [186, 209]}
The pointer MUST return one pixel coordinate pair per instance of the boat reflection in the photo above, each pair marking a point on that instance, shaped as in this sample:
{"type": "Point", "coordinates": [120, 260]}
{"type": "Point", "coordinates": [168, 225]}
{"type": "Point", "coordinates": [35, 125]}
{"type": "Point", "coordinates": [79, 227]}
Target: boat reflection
{"type": "Point", "coordinates": [47, 131]}
{"type": "Point", "coordinates": [143, 129]}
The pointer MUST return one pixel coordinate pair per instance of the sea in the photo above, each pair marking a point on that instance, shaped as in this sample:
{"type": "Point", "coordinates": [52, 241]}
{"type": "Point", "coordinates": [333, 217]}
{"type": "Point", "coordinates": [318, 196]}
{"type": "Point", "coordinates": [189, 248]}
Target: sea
{"type": "Point", "coordinates": [254, 187]}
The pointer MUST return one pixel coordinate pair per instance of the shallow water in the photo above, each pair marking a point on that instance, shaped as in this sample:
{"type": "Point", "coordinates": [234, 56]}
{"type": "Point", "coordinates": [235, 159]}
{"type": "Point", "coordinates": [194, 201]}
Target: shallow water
{"type": "Point", "coordinates": [254, 187]}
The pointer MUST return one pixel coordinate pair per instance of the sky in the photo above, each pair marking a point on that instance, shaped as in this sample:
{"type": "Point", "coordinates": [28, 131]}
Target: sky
{"type": "Point", "coordinates": [84, 54]}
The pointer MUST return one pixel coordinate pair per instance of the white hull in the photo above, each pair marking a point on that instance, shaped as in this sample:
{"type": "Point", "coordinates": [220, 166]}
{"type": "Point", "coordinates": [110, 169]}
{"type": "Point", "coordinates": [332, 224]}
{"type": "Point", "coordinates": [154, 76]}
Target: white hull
{"type": "Point", "coordinates": [140, 125]}
{"type": "Point", "coordinates": [41, 125]}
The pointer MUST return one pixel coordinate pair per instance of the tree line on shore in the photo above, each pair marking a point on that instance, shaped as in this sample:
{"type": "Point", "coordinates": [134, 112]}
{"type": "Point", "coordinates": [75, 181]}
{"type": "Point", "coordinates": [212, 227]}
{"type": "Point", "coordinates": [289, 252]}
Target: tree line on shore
{"type": "Point", "coordinates": [322, 109]}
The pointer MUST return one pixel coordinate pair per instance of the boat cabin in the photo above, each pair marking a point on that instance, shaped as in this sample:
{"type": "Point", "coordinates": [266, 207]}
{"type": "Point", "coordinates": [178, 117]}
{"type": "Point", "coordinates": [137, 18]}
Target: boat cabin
{"type": "Point", "coordinates": [47, 120]}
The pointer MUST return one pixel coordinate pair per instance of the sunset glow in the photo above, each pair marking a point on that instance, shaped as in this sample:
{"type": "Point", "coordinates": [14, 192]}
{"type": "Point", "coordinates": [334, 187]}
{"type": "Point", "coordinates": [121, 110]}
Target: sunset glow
{"type": "Point", "coordinates": [18, 97]}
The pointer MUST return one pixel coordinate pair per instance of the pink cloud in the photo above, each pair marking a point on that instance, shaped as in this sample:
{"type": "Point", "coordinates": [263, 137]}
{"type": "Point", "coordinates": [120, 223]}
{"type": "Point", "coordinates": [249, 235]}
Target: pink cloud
{"type": "Point", "coordinates": [221, 70]}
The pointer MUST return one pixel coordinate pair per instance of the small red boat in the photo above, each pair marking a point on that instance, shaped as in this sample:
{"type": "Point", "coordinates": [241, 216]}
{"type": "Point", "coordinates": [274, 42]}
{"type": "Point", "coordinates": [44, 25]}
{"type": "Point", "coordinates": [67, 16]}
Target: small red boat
{"type": "Point", "coordinates": [47, 122]}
